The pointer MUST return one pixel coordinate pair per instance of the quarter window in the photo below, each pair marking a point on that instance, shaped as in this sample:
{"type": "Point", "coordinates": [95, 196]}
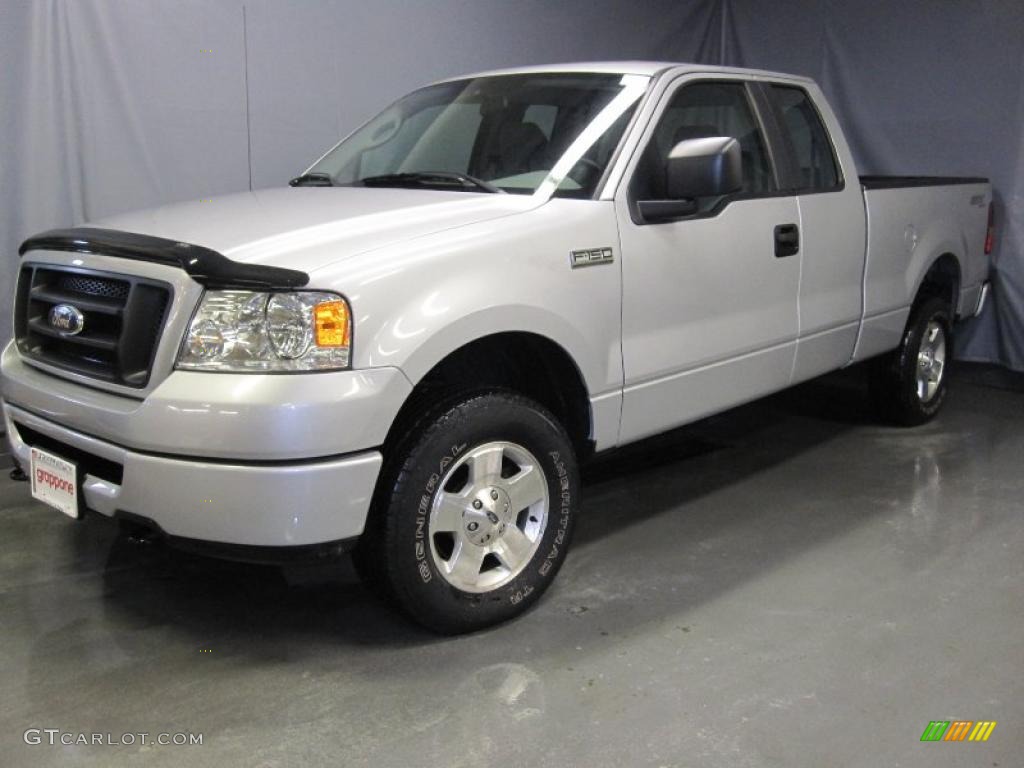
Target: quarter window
{"type": "Point", "coordinates": [812, 149]}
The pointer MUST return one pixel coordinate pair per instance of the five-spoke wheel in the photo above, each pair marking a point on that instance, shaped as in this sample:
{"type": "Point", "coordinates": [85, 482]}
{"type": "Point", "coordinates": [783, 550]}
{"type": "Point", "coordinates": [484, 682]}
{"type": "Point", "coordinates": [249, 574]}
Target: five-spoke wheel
{"type": "Point", "coordinates": [477, 515]}
{"type": "Point", "coordinates": [488, 516]}
{"type": "Point", "coordinates": [931, 360]}
{"type": "Point", "coordinates": [909, 384]}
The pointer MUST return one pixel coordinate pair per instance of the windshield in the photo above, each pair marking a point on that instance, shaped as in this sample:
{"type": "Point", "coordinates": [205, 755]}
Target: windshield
{"type": "Point", "coordinates": [506, 133]}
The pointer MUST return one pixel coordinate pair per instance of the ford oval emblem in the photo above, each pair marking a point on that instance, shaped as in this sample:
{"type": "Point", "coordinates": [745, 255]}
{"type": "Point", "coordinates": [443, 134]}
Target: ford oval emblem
{"type": "Point", "coordinates": [67, 319]}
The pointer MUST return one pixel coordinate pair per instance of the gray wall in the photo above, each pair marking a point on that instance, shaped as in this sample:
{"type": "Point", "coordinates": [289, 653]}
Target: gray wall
{"type": "Point", "coordinates": [111, 105]}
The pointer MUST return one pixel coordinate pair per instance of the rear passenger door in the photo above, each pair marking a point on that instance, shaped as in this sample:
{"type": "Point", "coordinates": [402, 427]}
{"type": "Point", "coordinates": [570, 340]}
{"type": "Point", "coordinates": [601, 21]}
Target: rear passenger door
{"type": "Point", "coordinates": [709, 312]}
{"type": "Point", "coordinates": [832, 229]}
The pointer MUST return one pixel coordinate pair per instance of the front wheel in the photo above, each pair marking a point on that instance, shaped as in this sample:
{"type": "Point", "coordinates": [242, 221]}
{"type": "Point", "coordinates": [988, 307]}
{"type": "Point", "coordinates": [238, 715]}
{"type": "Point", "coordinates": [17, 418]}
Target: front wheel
{"type": "Point", "coordinates": [474, 519]}
{"type": "Point", "coordinates": [909, 385]}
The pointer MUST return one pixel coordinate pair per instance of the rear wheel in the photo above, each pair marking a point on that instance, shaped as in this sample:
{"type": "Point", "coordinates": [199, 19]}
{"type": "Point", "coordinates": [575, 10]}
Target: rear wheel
{"type": "Point", "coordinates": [909, 385]}
{"type": "Point", "coordinates": [474, 519]}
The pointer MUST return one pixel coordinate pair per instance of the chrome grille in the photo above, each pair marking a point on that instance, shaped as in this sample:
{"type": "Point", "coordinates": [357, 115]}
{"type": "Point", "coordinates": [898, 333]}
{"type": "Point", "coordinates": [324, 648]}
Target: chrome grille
{"type": "Point", "coordinates": [123, 317]}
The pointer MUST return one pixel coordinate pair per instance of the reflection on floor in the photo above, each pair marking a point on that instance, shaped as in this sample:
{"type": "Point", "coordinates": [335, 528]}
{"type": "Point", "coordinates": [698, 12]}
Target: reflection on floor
{"type": "Point", "coordinates": [786, 584]}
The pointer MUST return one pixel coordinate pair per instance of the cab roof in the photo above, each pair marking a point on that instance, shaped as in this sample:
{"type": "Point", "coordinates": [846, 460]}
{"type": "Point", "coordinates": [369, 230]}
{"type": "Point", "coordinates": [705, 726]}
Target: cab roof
{"type": "Point", "coordinates": [646, 68]}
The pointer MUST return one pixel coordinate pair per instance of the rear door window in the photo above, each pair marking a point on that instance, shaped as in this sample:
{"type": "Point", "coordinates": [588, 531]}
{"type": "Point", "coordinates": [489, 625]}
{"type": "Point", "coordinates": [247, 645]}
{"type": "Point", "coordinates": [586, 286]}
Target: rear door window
{"type": "Point", "coordinates": [812, 148]}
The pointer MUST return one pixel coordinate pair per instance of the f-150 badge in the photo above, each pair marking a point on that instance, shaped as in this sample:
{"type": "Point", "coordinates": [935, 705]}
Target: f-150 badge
{"type": "Point", "coordinates": [591, 256]}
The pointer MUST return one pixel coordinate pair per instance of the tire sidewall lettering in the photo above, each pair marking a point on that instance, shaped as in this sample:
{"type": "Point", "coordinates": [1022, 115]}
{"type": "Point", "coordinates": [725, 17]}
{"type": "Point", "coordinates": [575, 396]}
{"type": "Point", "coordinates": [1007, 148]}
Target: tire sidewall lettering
{"type": "Point", "coordinates": [420, 544]}
{"type": "Point", "coordinates": [564, 516]}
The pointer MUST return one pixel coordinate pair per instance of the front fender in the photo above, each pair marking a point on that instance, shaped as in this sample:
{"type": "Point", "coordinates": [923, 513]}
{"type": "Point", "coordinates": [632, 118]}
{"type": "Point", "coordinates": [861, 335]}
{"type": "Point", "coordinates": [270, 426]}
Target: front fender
{"type": "Point", "coordinates": [502, 319]}
{"type": "Point", "coordinates": [416, 303]}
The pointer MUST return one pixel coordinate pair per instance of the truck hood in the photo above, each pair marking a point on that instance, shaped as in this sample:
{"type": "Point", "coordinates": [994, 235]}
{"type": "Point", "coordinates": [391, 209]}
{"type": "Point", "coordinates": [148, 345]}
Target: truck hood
{"type": "Point", "coordinates": [307, 228]}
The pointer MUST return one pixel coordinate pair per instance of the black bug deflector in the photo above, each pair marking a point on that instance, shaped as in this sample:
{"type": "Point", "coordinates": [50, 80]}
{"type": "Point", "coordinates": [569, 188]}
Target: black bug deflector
{"type": "Point", "coordinates": [206, 266]}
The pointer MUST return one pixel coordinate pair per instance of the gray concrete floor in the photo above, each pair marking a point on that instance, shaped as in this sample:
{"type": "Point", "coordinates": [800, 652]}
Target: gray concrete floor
{"type": "Point", "coordinates": [788, 584]}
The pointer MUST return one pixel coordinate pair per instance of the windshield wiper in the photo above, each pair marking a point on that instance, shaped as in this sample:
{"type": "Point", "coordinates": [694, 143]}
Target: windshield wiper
{"type": "Point", "coordinates": [312, 180]}
{"type": "Point", "coordinates": [428, 178]}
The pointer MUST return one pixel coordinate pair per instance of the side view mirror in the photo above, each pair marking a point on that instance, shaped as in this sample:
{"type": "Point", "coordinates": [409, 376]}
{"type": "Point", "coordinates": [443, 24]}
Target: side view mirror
{"type": "Point", "coordinates": [696, 168]}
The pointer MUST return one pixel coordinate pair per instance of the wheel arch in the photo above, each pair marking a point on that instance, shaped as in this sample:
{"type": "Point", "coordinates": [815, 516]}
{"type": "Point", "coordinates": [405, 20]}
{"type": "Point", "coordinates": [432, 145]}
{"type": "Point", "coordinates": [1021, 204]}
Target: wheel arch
{"type": "Point", "coordinates": [942, 279]}
{"type": "Point", "coordinates": [525, 361]}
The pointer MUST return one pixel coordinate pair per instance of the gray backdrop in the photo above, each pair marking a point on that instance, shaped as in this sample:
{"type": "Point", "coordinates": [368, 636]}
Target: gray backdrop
{"type": "Point", "coordinates": [112, 105]}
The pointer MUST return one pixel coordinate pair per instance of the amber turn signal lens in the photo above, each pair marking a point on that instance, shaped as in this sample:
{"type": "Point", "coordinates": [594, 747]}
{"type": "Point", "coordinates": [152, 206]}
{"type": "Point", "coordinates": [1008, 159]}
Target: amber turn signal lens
{"type": "Point", "coordinates": [331, 323]}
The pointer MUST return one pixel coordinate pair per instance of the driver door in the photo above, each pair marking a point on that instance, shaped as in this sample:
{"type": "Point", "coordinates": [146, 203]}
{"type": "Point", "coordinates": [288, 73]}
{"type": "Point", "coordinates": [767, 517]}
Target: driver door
{"type": "Point", "coordinates": [709, 314]}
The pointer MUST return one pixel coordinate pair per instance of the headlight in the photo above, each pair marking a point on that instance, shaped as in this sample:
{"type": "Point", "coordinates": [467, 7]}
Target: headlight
{"type": "Point", "coordinates": [256, 331]}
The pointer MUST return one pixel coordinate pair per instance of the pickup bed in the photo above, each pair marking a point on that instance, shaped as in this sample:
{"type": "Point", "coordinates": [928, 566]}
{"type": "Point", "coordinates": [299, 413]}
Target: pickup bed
{"type": "Point", "coordinates": [408, 350]}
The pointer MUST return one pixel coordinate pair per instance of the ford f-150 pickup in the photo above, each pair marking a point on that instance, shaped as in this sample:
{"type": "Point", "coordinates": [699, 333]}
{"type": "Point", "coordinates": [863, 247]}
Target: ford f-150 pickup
{"type": "Point", "coordinates": [408, 350]}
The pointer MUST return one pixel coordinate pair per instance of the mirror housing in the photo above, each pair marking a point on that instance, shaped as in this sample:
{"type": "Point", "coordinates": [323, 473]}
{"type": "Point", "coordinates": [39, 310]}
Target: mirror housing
{"type": "Point", "coordinates": [709, 167]}
{"type": "Point", "coordinates": [694, 169]}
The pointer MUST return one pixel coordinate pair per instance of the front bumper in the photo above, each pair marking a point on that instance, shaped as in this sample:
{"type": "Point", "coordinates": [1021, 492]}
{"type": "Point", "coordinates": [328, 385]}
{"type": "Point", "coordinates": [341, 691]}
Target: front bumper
{"type": "Point", "coordinates": [253, 460]}
{"type": "Point", "coordinates": [251, 504]}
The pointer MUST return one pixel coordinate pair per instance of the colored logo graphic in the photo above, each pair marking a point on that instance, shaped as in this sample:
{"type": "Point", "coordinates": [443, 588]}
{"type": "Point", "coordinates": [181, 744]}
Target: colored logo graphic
{"type": "Point", "coordinates": [958, 730]}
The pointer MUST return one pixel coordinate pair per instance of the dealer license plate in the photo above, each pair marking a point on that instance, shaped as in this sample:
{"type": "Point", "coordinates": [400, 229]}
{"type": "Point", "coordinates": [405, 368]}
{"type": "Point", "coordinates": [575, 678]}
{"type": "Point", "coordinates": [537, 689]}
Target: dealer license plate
{"type": "Point", "coordinates": [54, 482]}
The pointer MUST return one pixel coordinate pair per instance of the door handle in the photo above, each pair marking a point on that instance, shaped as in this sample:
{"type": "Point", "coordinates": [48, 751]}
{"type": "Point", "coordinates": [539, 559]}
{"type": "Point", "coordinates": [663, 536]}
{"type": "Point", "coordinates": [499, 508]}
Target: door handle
{"type": "Point", "coordinates": [787, 240]}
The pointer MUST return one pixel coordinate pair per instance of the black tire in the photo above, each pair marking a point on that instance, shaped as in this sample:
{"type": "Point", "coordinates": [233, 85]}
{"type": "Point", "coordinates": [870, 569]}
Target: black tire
{"type": "Point", "coordinates": [398, 554]}
{"type": "Point", "coordinates": [894, 376]}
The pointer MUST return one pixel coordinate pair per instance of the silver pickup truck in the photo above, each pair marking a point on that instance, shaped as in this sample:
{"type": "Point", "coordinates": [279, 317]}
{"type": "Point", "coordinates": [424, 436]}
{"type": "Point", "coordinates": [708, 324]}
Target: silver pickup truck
{"type": "Point", "coordinates": [408, 350]}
